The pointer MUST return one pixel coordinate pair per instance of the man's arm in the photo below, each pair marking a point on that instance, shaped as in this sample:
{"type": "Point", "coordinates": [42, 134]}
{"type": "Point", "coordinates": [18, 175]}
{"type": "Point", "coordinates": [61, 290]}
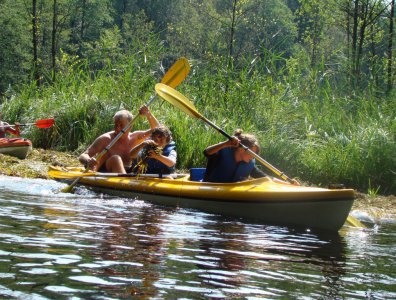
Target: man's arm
{"type": "Point", "coordinates": [150, 117]}
{"type": "Point", "coordinates": [87, 158]}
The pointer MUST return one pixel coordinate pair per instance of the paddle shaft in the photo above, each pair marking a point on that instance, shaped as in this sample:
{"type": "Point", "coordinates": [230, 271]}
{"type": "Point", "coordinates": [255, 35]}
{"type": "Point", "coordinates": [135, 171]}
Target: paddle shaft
{"type": "Point", "coordinates": [255, 155]}
{"type": "Point", "coordinates": [45, 123]}
{"type": "Point", "coordinates": [180, 101]}
{"type": "Point", "coordinates": [175, 75]}
{"type": "Point", "coordinates": [12, 125]}
{"type": "Point", "coordinates": [350, 220]}
{"type": "Point", "coordinates": [173, 78]}
{"type": "Point", "coordinates": [125, 129]}
{"type": "Point", "coordinates": [111, 144]}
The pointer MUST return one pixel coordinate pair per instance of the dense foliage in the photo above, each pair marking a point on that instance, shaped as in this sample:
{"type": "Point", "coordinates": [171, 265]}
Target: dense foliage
{"type": "Point", "coordinates": [312, 79]}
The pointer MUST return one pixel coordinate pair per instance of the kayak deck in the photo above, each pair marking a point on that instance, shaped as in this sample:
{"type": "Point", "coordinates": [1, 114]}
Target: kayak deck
{"type": "Point", "coordinates": [263, 199]}
{"type": "Point", "coordinates": [18, 147]}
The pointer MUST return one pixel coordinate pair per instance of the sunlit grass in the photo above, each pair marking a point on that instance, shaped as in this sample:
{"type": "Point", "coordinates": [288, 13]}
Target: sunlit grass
{"type": "Point", "coordinates": [307, 127]}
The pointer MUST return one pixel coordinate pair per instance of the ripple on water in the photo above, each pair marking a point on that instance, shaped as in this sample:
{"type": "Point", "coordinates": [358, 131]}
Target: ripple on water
{"type": "Point", "coordinates": [39, 271]}
{"type": "Point", "coordinates": [94, 280]}
{"type": "Point", "coordinates": [92, 245]}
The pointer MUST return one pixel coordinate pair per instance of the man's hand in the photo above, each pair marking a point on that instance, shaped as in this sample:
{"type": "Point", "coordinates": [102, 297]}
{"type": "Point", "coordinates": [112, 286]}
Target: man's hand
{"type": "Point", "coordinates": [144, 110]}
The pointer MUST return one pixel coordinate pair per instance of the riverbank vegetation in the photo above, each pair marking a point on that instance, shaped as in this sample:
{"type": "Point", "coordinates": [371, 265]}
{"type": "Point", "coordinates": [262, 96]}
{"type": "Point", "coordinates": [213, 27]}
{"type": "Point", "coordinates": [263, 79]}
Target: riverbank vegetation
{"type": "Point", "coordinates": [314, 81]}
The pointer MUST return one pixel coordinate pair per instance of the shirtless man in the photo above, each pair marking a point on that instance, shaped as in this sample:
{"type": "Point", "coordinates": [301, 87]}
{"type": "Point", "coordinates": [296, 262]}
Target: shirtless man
{"type": "Point", "coordinates": [117, 159]}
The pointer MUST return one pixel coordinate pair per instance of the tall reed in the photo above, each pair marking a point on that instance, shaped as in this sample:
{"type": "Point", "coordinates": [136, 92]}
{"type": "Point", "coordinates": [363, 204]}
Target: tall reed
{"type": "Point", "coordinates": [307, 127]}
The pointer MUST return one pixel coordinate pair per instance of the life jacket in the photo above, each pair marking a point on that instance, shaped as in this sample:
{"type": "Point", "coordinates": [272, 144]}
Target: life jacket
{"type": "Point", "coordinates": [156, 167]}
{"type": "Point", "coordinates": [222, 167]}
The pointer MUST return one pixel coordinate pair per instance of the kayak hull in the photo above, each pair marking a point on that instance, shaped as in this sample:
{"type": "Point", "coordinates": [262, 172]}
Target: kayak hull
{"type": "Point", "coordinates": [18, 147]}
{"type": "Point", "coordinates": [263, 200]}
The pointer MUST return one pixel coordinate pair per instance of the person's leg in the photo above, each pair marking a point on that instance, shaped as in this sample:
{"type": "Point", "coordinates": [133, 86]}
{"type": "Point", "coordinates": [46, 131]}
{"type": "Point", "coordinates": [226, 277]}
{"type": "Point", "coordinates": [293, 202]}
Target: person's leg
{"type": "Point", "coordinates": [114, 164]}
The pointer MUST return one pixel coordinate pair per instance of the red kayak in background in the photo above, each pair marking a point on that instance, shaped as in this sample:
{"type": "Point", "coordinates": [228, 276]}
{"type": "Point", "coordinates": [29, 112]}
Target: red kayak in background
{"type": "Point", "coordinates": [18, 147]}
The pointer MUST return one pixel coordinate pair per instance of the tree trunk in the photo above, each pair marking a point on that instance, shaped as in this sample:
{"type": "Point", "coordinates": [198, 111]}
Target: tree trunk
{"type": "Point", "coordinates": [53, 42]}
{"type": "Point", "coordinates": [348, 29]}
{"type": "Point", "coordinates": [123, 12]}
{"type": "Point", "coordinates": [36, 73]}
{"type": "Point", "coordinates": [390, 45]}
{"type": "Point", "coordinates": [82, 29]}
{"type": "Point", "coordinates": [232, 31]}
{"type": "Point", "coordinates": [359, 54]}
{"type": "Point", "coordinates": [354, 37]}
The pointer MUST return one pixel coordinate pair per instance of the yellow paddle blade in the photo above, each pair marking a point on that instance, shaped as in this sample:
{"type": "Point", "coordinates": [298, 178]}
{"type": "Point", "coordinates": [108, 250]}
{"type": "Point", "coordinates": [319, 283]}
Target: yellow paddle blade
{"type": "Point", "coordinates": [177, 99]}
{"type": "Point", "coordinates": [352, 221]}
{"type": "Point", "coordinates": [177, 73]}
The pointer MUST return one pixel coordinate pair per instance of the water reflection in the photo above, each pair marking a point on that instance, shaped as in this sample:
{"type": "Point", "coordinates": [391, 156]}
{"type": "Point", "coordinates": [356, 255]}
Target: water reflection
{"type": "Point", "coordinates": [94, 246]}
{"type": "Point", "coordinates": [133, 238]}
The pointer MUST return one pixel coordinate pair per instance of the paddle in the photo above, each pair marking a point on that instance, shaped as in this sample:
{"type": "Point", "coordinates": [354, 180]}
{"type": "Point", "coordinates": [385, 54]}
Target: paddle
{"type": "Point", "coordinates": [45, 123]}
{"type": "Point", "coordinates": [354, 222]}
{"type": "Point", "coordinates": [175, 75]}
{"type": "Point", "coordinates": [181, 102]}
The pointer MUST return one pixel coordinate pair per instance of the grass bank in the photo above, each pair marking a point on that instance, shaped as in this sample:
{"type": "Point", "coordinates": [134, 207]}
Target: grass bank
{"type": "Point", "coordinates": [307, 126]}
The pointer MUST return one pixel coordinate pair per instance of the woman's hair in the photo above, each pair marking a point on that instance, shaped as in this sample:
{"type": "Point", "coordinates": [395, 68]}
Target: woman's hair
{"type": "Point", "coordinates": [123, 114]}
{"type": "Point", "coordinates": [164, 131]}
{"type": "Point", "coordinates": [249, 140]}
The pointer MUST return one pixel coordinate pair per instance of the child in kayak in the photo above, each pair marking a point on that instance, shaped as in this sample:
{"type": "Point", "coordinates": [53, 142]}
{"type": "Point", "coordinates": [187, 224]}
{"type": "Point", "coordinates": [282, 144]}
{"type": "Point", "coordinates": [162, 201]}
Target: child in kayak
{"type": "Point", "coordinates": [156, 155]}
{"type": "Point", "coordinates": [7, 128]}
{"type": "Point", "coordinates": [227, 162]}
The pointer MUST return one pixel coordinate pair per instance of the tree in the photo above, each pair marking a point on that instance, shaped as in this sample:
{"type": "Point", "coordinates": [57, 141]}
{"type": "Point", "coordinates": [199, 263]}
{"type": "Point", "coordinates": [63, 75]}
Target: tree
{"type": "Point", "coordinates": [312, 17]}
{"type": "Point", "coordinates": [36, 71]}
{"type": "Point", "coordinates": [15, 40]}
{"type": "Point", "coordinates": [53, 41]}
{"type": "Point", "coordinates": [365, 14]}
{"type": "Point", "coordinates": [390, 44]}
{"type": "Point", "coordinates": [87, 21]}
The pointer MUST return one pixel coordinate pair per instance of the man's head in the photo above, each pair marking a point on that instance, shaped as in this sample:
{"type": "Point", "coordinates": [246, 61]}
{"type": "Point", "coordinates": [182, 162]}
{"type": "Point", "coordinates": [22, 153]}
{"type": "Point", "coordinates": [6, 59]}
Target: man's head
{"type": "Point", "coordinates": [123, 114]}
{"type": "Point", "coordinates": [121, 119]}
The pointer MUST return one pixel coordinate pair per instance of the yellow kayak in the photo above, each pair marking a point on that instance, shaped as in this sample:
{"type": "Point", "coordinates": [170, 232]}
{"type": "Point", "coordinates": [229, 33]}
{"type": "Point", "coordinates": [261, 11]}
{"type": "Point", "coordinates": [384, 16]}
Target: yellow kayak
{"type": "Point", "coordinates": [265, 200]}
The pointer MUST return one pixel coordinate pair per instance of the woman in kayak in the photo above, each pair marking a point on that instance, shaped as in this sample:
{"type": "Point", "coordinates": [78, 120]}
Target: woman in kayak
{"type": "Point", "coordinates": [117, 158]}
{"type": "Point", "coordinates": [156, 155]}
{"type": "Point", "coordinates": [7, 128]}
{"type": "Point", "coordinates": [227, 162]}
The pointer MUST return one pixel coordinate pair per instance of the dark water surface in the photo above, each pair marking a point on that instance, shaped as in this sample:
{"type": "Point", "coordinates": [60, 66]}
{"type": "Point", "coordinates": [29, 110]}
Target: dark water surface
{"type": "Point", "coordinates": [93, 246]}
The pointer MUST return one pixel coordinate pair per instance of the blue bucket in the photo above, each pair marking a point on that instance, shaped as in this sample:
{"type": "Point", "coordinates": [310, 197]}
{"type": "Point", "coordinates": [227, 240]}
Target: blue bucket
{"type": "Point", "coordinates": [197, 174]}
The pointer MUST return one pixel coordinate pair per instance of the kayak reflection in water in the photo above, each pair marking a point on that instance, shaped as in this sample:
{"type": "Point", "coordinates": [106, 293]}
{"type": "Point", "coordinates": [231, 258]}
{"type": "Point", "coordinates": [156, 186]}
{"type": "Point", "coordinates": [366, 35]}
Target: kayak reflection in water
{"type": "Point", "coordinates": [156, 155]}
{"type": "Point", "coordinates": [227, 162]}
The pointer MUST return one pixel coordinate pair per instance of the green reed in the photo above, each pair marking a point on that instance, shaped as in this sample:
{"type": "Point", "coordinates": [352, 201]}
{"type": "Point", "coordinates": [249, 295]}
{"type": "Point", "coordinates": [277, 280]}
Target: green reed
{"type": "Point", "coordinates": [307, 126]}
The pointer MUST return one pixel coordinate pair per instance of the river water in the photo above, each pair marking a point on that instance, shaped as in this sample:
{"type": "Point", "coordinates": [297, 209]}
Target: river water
{"type": "Point", "coordinates": [92, 246]}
